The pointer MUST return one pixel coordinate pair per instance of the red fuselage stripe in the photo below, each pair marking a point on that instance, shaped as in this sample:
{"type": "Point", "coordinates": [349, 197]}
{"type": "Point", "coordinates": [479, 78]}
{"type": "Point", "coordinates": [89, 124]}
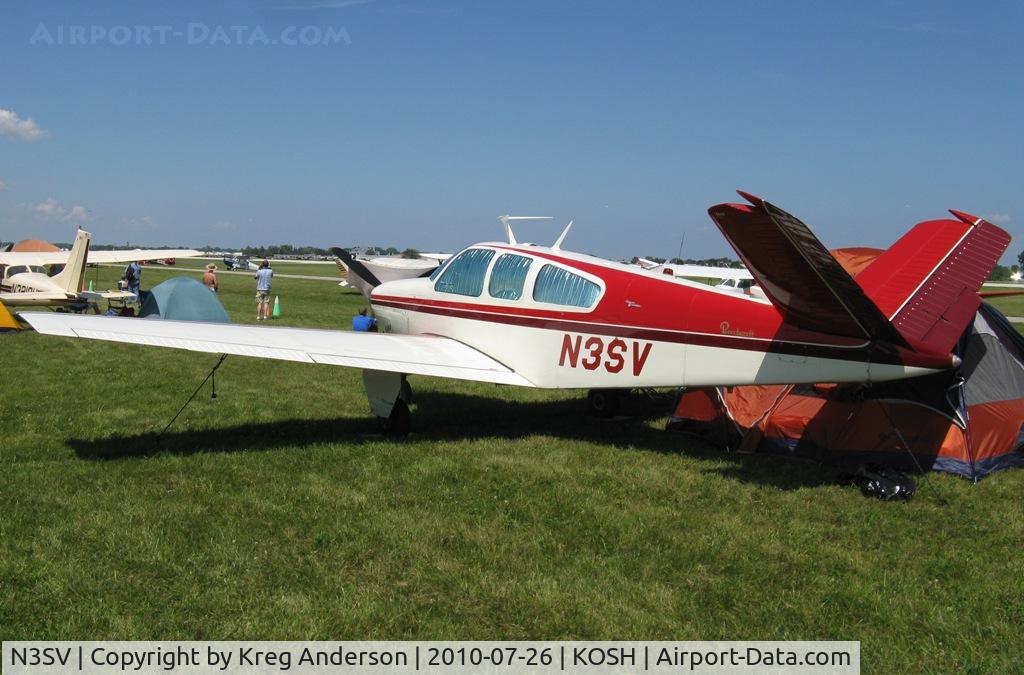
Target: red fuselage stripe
{"type": "Point", "coordinates": [543, 320]}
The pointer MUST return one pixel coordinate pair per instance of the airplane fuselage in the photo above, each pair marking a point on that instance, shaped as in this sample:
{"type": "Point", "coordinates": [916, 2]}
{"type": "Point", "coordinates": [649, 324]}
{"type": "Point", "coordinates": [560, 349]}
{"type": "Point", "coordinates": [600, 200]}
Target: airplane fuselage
{"type": "Point", "coordinates": [566, 321]}
{"type": "Point", "coordinates": [31, 282]}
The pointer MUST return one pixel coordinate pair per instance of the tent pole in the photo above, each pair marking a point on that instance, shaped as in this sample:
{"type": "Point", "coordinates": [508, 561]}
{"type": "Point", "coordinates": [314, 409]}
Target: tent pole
{"type": "Point", "coordinates": [924, 476]}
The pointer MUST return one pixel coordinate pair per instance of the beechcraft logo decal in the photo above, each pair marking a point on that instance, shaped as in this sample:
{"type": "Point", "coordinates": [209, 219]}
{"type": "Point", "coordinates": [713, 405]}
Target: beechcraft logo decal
{"type": "Point", "coordinates": [613, 355]}
{"type": "Point", "coordinates": [726, 330]}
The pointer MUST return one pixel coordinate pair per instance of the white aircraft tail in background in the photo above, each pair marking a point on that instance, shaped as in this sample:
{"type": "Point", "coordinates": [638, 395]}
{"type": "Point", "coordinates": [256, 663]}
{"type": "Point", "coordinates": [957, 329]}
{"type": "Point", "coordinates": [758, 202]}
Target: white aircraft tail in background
{"type": "Point", "coordinates": [24, 281]}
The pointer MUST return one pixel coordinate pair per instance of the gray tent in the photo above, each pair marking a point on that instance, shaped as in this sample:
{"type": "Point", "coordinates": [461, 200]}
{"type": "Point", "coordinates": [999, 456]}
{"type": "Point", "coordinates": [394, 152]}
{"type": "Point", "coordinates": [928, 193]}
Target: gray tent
{"type": "Point", "coordinates": [183, 299]}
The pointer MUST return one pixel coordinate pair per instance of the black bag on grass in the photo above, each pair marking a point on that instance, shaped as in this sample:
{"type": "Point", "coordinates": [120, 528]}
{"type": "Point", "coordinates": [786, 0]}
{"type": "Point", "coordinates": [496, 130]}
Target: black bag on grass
{"type": "Point", "coordinates": [881, 482]}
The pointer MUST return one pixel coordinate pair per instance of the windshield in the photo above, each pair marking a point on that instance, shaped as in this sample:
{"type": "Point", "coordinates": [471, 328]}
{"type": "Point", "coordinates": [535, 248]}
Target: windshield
{"type": "Point", "coordinates": [464, 275]}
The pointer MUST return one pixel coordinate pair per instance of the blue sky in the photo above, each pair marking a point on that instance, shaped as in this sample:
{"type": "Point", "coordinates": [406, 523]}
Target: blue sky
{"type": "Point", "coordinates": [427, 119]}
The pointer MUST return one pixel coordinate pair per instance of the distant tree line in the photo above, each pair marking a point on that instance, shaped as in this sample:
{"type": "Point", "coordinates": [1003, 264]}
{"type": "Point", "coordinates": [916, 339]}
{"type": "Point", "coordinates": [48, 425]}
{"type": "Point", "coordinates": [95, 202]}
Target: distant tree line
{"type": "Point", "coordinates": [289, 251]}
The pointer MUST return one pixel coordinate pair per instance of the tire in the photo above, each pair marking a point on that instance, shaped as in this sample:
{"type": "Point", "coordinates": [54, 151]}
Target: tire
{"type": "Point", "coordinates": [604, 403]}
{"type": "Point", "coordinates": [400, 421]}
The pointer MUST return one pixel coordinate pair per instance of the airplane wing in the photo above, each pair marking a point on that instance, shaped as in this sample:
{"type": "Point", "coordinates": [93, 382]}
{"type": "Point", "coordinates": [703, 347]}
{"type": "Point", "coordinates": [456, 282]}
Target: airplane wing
{"type": "Point", "coordinates": [108, 295]}
{"type": "Point", "coordinates": [700, 271]}
{"type": "Point", "coordinates": [706, 271]}
{"type": "Point", "coordinates": [411, 354]}
{"type": "Point", "coordinates": [125, 256]}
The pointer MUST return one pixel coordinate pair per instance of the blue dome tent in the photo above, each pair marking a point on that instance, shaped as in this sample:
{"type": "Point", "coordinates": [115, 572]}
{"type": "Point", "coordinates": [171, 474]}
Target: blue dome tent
{"type": "Point", "coordinates": [183, 299]}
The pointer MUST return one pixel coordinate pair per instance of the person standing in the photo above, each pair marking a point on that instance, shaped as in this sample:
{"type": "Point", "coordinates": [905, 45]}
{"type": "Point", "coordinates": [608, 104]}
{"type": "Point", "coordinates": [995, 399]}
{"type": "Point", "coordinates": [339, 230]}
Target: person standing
{"type": "Point", "coordinates": [133, 278]}
{"type": "Point", "coordinates": [210, 277]}
{"type": "Point", "coordinates": [264, 276]}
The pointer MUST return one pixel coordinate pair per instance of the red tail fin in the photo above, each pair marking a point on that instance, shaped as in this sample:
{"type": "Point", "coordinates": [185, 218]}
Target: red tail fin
{"type": "Point", "coordinates": [927, 283]}
{"type": "Point", "coordinates": [921, 293]}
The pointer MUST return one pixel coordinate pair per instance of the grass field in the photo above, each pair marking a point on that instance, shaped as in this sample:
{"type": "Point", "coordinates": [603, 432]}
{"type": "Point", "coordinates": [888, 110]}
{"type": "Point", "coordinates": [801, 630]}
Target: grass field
{"type": "Point", "coordinates": [278, 511]}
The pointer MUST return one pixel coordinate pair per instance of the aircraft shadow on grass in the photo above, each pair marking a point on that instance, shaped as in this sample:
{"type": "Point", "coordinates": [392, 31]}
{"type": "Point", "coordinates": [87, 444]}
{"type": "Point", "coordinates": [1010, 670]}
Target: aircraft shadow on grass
{"type": "Point", "coordinates": [477, 417]}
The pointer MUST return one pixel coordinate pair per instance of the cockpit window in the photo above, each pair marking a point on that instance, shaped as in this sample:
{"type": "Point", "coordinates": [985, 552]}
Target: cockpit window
{"type": "Point", "coordinates": [38, 269]}
{"type": "Point", "coordinates": [562, 287]}
{"type": "Point", "coordinates": [508, 276]}
{"type": "Point", "coordinates": [16, 269]}
{"type": "Point", "coordinates": [464, 274]}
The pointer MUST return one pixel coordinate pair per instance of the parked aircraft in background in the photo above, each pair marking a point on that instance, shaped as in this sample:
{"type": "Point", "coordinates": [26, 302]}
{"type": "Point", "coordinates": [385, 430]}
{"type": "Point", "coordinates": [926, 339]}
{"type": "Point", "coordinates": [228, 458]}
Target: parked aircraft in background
{"type": "Point", "coordinates": [538, 316]}
{"type": "Point", "coordinates": [240, 262]}
{"type": "Point", "coordinates": [364, 274]}
{"type": "Point", "coordinates": [24, 280]}
{"type": "Point", "coordinates": [737, 279]}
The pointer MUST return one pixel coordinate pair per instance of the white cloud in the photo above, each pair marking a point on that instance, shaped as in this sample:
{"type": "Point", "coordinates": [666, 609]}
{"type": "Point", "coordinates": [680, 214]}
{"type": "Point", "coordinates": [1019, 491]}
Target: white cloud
{"type": "Point", "coordinates": [19, 129]}
{"type": "Point", "coordinates": [143, 223]}
{"type": "Point", "coordinates": [998, 218]}
{"type": "Point", "coordinates": [52, 209]}
{"type": "Point", "coordinates": [3, 185]}
{"type": "Point", "coordinates": [225, 225]}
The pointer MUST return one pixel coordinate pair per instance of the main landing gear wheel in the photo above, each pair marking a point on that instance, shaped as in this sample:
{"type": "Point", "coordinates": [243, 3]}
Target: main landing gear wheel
{"type": "Point", "coordinates": [604, 403]}
{"type": "Point", "coordinates": [389, 395]}
{"type": "Point", "coordinates": [399, 422]}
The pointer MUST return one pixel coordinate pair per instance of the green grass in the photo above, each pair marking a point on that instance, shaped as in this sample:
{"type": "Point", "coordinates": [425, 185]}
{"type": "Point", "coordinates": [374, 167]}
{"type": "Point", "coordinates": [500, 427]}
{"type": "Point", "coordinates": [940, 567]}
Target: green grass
{"type": "Point", "coordinates": [278, 511]}
{"type": "Point", "coordinates": [1012, 305]}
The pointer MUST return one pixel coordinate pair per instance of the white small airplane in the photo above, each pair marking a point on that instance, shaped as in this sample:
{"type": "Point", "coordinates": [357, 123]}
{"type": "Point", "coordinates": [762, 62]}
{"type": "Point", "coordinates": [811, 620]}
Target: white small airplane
{"type": "Point", "coordinates": [364, 274]}
{"type": "Point", "coordinates": [240, 262]}
{"type": "Point", "coordinates": [536, 316]}
{"type": "Point", "coordinates": [24, 281]}
{"type": "Point", "coordinates": [737, 279]}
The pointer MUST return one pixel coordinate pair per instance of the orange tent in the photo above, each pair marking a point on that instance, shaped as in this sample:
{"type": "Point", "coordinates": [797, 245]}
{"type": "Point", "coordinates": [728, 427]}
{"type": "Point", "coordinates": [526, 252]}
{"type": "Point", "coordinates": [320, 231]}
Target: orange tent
{"type": "Point", "coordinates": [34, 246]}
{"type": "Point", "coordinates": [968, 421]}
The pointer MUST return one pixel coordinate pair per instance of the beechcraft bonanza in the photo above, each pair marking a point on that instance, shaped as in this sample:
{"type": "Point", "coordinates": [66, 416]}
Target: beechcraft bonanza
{"type": "Point", "coordinates": [537, 316]}
{"type": "Point", "coordinates": [24, 281]}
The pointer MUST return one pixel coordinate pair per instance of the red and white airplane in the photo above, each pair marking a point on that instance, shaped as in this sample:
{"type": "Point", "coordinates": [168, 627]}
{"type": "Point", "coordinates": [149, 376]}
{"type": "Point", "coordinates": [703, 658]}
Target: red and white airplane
{"type": "Point", "coordinates": [537, 316]}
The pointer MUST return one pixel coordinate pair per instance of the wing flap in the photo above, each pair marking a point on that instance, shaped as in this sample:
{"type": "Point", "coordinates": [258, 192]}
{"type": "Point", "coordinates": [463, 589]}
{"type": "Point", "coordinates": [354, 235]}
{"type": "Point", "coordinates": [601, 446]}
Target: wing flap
{"type": "Point", "coordinates": [413, 354]}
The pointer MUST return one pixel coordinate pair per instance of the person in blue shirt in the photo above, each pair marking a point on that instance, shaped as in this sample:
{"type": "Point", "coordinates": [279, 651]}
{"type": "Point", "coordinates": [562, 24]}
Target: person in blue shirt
{"type": "Point", "coordinates": [363, 323]}
{"type": "Point", "coordinates": [133, 278]}
{"type": "Point", "coordinates": [264, 276]}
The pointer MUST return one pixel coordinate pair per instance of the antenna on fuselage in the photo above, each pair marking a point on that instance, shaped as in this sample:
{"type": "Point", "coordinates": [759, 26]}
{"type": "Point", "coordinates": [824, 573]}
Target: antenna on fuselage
{"type": "Point", "coordinates": [506, 221]}
{"type": "Point", "coordinates": [557, 246]}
